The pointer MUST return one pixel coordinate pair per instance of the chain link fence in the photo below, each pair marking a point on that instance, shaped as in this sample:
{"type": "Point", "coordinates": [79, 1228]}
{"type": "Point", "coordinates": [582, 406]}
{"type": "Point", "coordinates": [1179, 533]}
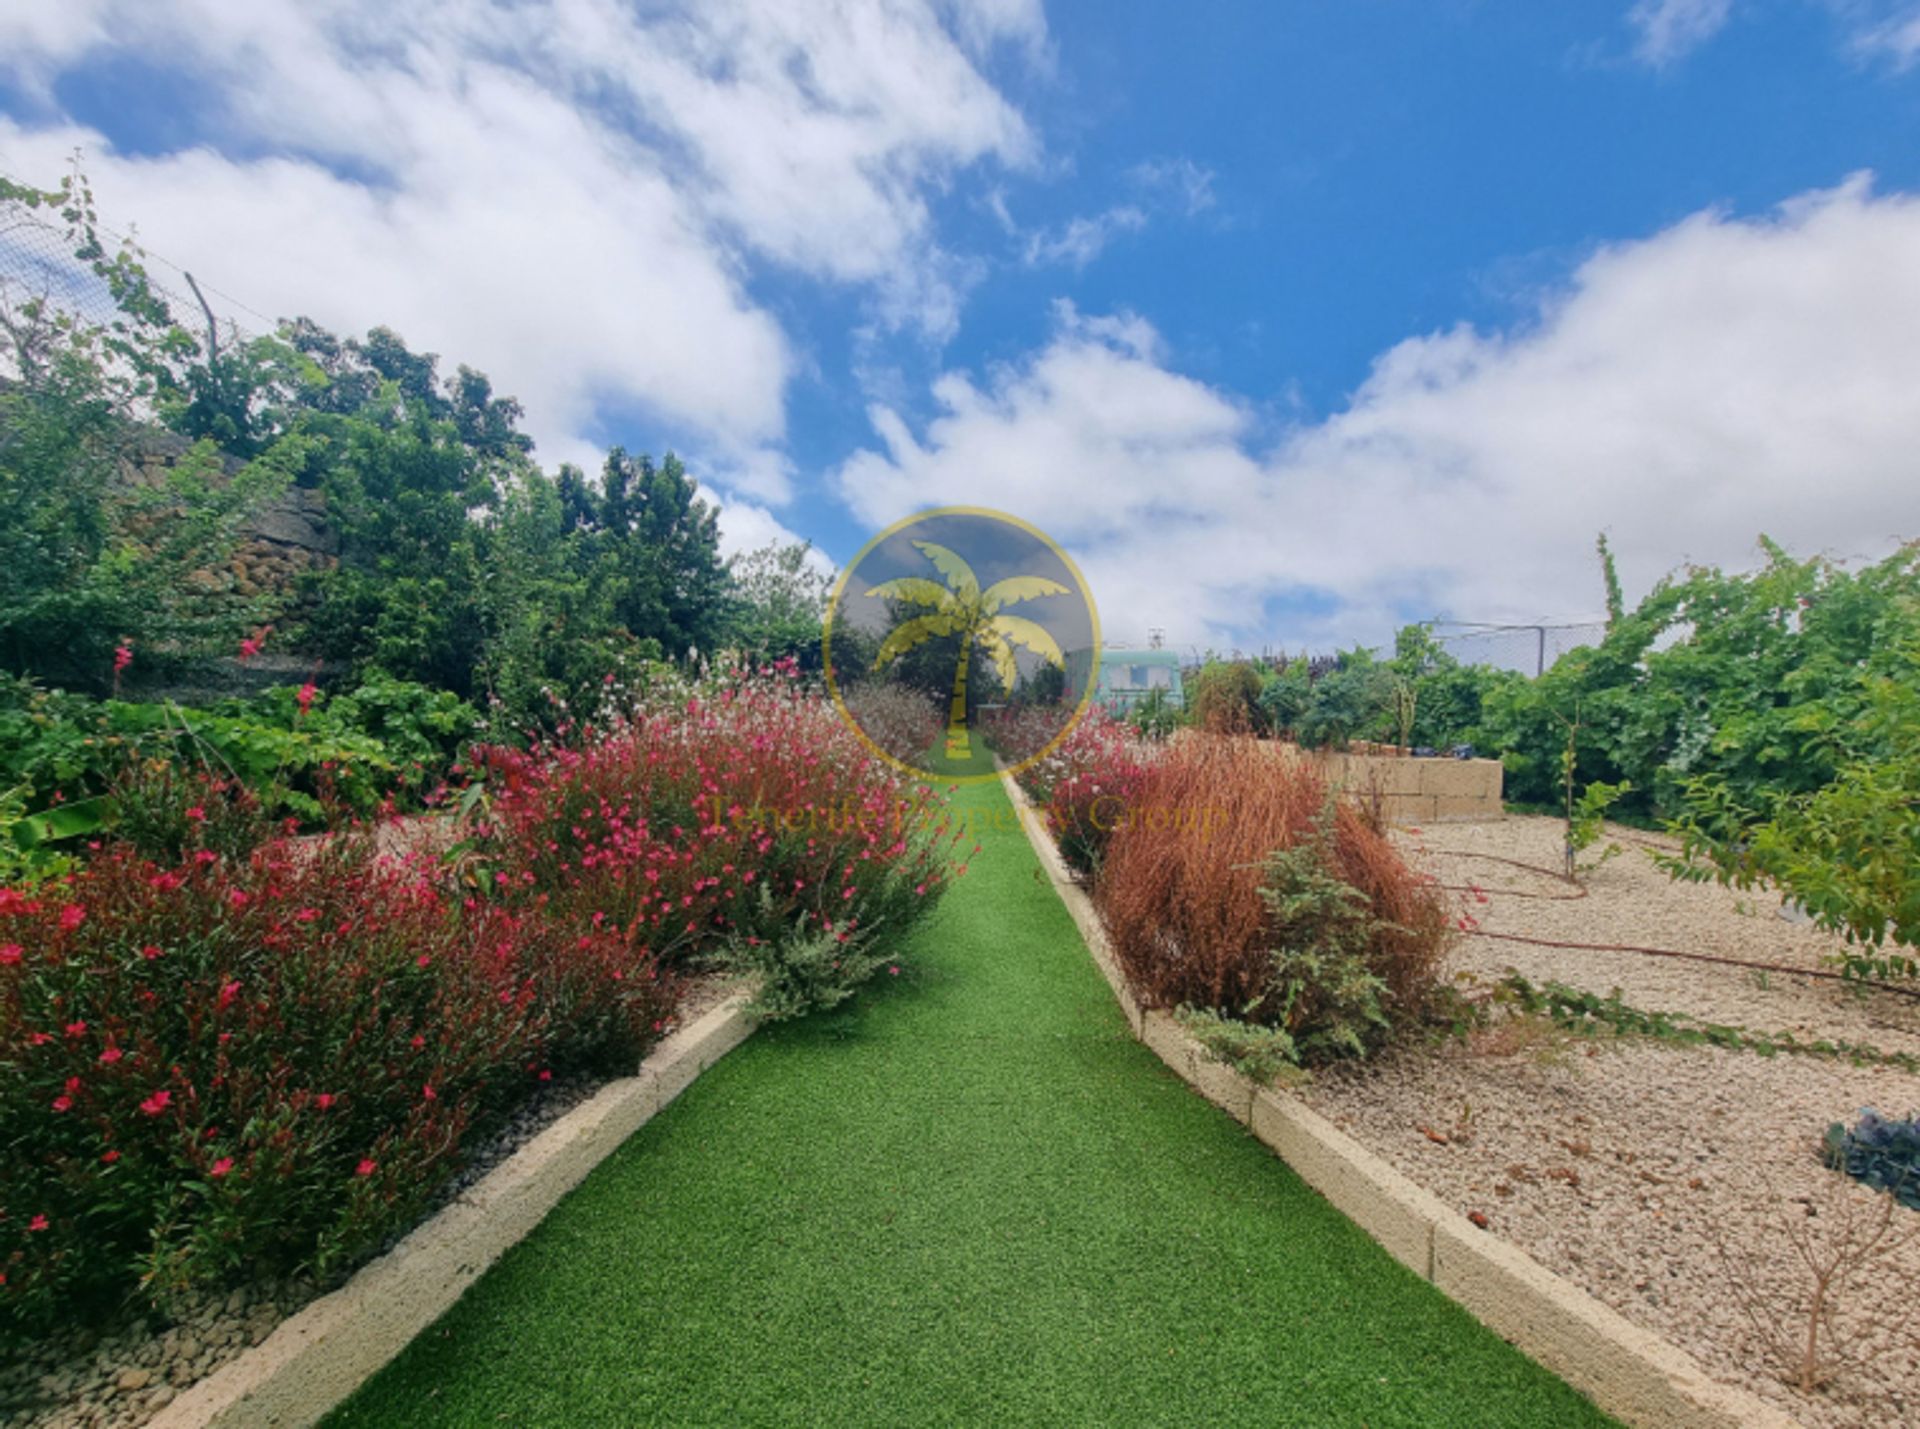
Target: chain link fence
{"type": "Point", "coordinates": [39, 264]}
{"type": "Point", "coordinates": [1530, 649]}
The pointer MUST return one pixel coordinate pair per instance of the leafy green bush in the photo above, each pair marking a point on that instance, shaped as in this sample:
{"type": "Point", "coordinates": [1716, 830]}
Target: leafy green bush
{"type": "Point", "coordinates": [1154, 717]}
{"type": "Point", "coordinates": [1753, 680]}
{"type": "Point", "coordinates": [1348, 704]}
{"type": "Point", "coordinates": [1450, 698]}
{"type": "Point", "coordinates": [72, 748]}
{"type": "Point", "coordinates": [804, 972]}
{"type": "Point", "coordinates": [1848, 853]}
{"type": "Point", "coordinates": [1223, 697]}
{"type": "Point", "coordinates": [1328, 996]}
{"type": "Point", "coordinates": [168, 814]}
{"type": "Point", "coordinates": [1285, 697]}
{"type": "Point", "coordinates": [779, 604]}
{"type": "Point", "coordinates": [1266, 1055]}
{"type": "Point", "coordinates": [94, 559]}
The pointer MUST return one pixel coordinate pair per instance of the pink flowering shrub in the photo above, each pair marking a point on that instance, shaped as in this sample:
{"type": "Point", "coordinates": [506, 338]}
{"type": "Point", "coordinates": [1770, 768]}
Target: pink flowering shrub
{"type": "Point", "coordinates": [220, 1068]}
{"type": "Point", "coordinates": [1019, 731]}
{"type": "Point", "coordinates": [1088, 782]}
{"type": "Point", "coordinates": [743, 822]}
{"type": "Point", "coordinates": [169, 812]}
{"type": "Point", "coordinates": [904, 722]}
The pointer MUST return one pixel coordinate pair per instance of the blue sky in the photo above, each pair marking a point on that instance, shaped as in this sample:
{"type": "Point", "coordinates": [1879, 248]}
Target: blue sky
{"type": "Point", "coordinates": [1292, 321]}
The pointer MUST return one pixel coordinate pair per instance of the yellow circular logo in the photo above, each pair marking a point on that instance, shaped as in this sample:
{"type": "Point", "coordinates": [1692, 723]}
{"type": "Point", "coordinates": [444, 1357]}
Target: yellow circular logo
{"type": "Point", "coordinates": [960, 636]}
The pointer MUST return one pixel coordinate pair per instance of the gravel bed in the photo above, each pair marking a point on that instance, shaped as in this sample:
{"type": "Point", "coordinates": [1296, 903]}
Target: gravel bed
{"type": "Point", "coordinates": [1629, 900]}
{"type": "Point", "coordinates": [122, 1372]}
{"type": "Point", "coordinates": [1668, 1181]}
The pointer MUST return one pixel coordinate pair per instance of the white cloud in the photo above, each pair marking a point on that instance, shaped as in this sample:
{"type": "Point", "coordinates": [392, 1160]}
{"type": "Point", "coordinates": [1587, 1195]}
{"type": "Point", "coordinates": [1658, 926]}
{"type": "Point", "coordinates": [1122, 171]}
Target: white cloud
{"type": "Point", "coordinates": [1162, 185]}
{"type": "Point", "coordinates": [746, 527]}
{"type": "Point", "coordinates": [1081, 240]}
{"type": "Point", "coordinates": [568, 194]}
{"type": "Point", "coordinates": [1668, 29]}
{"type": "Point", "coordinates": [1187, 184]}
{"type": "Point", "coordinates": [1723, 378]}
{"type": "Point", "coordinates": [1890, 33]}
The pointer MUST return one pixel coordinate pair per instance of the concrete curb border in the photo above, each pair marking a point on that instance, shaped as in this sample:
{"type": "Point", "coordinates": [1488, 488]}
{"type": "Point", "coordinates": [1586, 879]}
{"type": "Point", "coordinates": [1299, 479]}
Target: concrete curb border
{"type": "Point", "coordinates": [315, 1359]}
{"type": "Point", "coordinates": [1628, 1371]}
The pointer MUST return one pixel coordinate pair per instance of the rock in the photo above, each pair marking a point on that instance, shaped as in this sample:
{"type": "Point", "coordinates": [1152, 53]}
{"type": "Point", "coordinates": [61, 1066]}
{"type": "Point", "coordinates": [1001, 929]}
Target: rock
{"type": "Point", "coordinates": [237, 1301]}
{"type": "Point", "coordinates": [134, 1379]}
{"type": "Point", "coordinates": [289, 523]}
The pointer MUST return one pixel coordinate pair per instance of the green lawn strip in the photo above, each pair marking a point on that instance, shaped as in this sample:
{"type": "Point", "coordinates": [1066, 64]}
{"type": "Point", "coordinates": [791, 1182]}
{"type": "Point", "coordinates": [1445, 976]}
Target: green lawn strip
{"type": "Point", "coordinates": [969, 1197]}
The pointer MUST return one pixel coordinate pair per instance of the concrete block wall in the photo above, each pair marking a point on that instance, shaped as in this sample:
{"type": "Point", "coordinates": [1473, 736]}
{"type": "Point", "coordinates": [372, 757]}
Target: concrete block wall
{"type": "Point", "coordinates": [1409, 790]}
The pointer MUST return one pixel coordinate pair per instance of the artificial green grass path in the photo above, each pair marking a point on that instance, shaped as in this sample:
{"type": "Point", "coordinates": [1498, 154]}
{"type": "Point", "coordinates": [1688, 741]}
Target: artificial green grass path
{"type": "Point", "coordinates": [970, 1198]}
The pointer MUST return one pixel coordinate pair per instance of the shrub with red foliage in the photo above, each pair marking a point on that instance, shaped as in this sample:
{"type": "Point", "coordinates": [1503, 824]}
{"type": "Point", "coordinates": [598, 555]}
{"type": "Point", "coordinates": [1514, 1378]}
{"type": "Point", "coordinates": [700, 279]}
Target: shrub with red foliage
{"type": "Point", "coordinates": [1180, 883]}
{"type": "Point", "coordinates": [1087, 783]}
{"type": "Point", "coordinates": [745, 816]}
{"type": "Point", "coordinates": [224, 1067]}
{"type": "Point", "coordinates": [229, 1063]}
{"type": "Point", "coordinates": [169, 812]}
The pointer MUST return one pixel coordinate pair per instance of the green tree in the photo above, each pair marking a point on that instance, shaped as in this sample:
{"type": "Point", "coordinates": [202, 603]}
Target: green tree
{"type": "Point", "coordinates": [94, 554]}
{"type": "Point", "coordinates": [779, 603]}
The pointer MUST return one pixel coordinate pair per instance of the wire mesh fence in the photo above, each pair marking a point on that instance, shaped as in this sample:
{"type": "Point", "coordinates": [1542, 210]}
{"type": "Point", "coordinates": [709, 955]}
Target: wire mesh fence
{"type": "Point", "coordinates": [1530, 649]}
{"type": "Point", "coordinates": [40, 263]}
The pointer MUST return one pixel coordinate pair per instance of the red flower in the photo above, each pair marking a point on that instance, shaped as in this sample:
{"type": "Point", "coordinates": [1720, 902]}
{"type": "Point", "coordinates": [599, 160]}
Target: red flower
{"type": "Point", "coordinates": [63, 1103]}
{"type": "Point", "coordinates": [227, 994]}
{"type": "Point", "coordinates": [197, 814]}
{"type": "Point", "coordinates": [222, 1166]}
{"type": "Point", "coordinates": [150, 952]}
{"type": "Point", "coordinates": [122, 657]}
{"type": "Point", "coordinates": [306, 696]}
{"type": "Point", "coordinates": [324, 1100]}
{"type": "Point", "coordinates": [9, 954]}
{"type": "Point", "coordinates": [111, 1055]}
{"type": "Point", "coordinates": [365, 1168]}
{"type": "Point", "coordinates": [110, 1156]}
{"type": "Point", "coordinates": [76, 1029]}
{"type": "Point", "coordinates": [38, 1223]}
{"type": "Point", "coordinates": [157, 1103]}
{"type": "Point", "coordinates": [71, 917]}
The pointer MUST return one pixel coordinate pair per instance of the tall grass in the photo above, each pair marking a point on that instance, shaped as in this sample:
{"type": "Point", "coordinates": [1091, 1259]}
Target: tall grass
{"type": "Point", "coordinates": [1180, 885]}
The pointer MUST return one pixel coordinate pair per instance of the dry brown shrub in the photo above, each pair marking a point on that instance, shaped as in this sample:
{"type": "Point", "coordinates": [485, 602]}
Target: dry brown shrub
{"type": "Point", "coordinates": [1180, 887]}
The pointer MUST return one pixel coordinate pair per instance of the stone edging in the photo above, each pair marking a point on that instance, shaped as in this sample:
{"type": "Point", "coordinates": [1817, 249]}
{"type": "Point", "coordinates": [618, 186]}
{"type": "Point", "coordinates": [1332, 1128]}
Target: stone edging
{"type": "Point", "coordinates": [317, 1358]}
{"type": "Point", "coordinates": [1628, 1371]}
